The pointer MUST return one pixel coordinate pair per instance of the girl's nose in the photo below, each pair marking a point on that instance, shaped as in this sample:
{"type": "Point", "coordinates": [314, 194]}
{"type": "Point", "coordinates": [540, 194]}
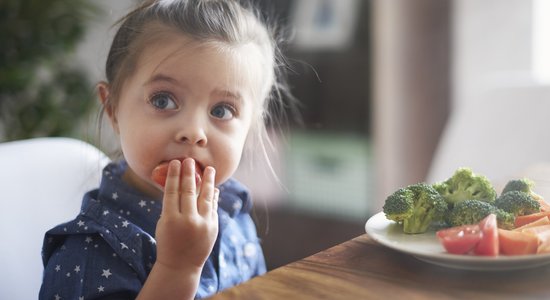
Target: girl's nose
{"type": "Point", "coordinates": [192, 134]}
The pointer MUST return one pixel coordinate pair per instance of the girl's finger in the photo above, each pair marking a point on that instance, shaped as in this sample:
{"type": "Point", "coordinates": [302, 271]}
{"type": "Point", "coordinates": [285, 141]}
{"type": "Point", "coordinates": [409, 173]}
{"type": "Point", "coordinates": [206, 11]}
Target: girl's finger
{"type": "Point", "coordinates": [170, 204]}
{"type": "Point", "coordinates": [215, 203]}
{"type": "Point", "coordinates": [188, 203]}
{"type": "Point", "coordinates": [206, 197]}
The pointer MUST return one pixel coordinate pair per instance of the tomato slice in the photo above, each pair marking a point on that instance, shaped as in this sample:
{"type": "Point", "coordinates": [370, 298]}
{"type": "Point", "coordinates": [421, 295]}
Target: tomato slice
{"type": "Point", "coordinates": [460, 239]}
{"type": "Point", "coordinates": [160, 173]}
{"type": "Point", "coordinates": [488, 245]}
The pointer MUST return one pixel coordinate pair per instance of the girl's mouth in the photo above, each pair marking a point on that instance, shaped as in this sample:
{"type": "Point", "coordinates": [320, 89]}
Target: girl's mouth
{"type": "Point", "coordinates": [160, 173]}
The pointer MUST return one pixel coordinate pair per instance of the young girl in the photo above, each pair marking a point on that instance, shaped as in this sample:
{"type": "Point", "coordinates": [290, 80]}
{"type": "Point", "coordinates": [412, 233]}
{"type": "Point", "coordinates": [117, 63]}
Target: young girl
{"type": "Point", "coordinates": [188, 85]}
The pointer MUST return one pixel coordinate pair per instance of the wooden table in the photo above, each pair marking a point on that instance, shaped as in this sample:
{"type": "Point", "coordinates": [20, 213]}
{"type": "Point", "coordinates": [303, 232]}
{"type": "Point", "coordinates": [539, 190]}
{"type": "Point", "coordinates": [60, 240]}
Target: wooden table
{"type": "Point", "coordinates": [363, 269]}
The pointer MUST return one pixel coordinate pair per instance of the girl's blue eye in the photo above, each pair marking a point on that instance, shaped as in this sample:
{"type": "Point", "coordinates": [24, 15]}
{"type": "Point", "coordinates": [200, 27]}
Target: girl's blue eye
{"type": "Point", "coordinates": [223, 112]}
{"type": "Point", "coordinates": [163, 101]}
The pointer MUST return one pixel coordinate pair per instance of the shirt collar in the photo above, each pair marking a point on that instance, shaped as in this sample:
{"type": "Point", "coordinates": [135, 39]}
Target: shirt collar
{"type": "Point", "coordinates": [126, 201]}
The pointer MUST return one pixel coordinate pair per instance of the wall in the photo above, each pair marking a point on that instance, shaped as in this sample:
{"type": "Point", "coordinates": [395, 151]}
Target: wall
{"type": "Point", "coordinates": [411, 88]}
{"type": "Point", "coordinates": [500, 110]}
{"type": "Point", "coordinates": [92, 54]}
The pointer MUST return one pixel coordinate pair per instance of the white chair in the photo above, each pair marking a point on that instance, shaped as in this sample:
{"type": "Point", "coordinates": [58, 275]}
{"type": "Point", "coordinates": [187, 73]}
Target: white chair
{"type": "Point", "coordinates": [42, 182]}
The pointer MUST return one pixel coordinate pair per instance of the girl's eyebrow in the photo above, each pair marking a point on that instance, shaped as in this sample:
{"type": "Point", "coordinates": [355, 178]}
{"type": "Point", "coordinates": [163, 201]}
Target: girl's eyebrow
{"type": "Point", "coordinates": [218, 92]}
{"type": "Point", "coordinates": [160, 77]}
{"type": "Point", "coordinates": [232, 97]}
{"type": "Point", "coordinates": [229, 94]}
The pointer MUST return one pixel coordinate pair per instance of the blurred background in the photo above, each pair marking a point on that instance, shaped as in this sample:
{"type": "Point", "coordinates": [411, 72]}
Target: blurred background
{"type": "Point", "coordinates": [393, 92]}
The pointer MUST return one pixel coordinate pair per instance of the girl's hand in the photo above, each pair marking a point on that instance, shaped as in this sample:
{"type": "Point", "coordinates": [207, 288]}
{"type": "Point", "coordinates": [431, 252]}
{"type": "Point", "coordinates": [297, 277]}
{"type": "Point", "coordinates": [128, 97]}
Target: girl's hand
{"type": "Point", "coordinates": [188, 226]}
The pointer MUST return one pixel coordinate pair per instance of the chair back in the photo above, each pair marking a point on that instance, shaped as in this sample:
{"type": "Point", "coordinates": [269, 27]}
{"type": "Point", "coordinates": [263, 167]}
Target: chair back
{"type": "Point", "coordinates": [42, 182]}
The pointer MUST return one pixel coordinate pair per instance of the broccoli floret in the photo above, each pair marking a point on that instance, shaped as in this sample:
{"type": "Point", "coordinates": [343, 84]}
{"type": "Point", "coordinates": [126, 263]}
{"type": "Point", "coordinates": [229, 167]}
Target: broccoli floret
{"type": "Point", "coordinates": [505, 220]}
{"type": "Point", "coordinates": [469, 212]}
{"type": "Point", "coordinates": [465, 185]}
{"type": "Point", "coordinates": [472, 211]}
{"type": "Point", "coordinates": [416, 207]}
{"type": "Point", "coordinates": [523, 185]}
{"type": "Point", "coordinates": [517, 203]}
{"type": "Point", "coordinates": [398, 205]}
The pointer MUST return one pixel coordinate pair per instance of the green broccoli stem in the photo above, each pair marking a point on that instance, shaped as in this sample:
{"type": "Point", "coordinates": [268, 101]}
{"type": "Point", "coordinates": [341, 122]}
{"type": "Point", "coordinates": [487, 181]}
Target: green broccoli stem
{"type": "Point", "coordinates": [418, 222]}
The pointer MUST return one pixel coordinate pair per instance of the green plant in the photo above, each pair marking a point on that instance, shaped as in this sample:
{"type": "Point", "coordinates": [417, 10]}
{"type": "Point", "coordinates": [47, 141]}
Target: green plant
{"type": "Point", "coordinates": [42, 91]}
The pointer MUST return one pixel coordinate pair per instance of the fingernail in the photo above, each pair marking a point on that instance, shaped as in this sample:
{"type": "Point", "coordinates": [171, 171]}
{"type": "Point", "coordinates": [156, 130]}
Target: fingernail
{"type": "Point", "coordinates": [211, 173]}
{"type": "Point", "coordinates": [190, 163]}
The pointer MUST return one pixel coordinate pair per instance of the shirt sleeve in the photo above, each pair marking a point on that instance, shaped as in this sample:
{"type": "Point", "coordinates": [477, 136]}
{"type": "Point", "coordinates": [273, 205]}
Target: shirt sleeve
{"type": "Point", "coordinates": [85, 267]}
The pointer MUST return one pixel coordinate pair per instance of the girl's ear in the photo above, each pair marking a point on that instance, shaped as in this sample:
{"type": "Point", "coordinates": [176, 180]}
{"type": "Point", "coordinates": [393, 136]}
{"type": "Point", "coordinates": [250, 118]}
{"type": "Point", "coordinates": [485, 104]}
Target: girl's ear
{"type": "Point", "coordinates": [106, 101]}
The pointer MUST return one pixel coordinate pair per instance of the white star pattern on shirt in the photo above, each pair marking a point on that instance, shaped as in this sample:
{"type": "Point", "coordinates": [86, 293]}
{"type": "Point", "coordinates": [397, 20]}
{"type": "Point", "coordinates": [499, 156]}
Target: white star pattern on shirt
{"type": "Point", "coordinates": [80, 223]}
{"type": "Point", "coordinates": [115, 195]}
{"type": "Point", "coordinates": [88, 239]}
{"type": "Point", "coordinates": [125, 223]}
{"type": "Point", "coordinates": [77, 269]}
{"type": "Point", "coordinates": [107, 273]}
{"type": "Point", "coordinates": [249, 250]}
{"type": "Point", "coordinates": [142, 203]}
{"type": "Point", "coordinates": [57, 297]}
{"type": "Point", "coordinates": [57, 268]}
{"type": "Point", "coordinates": [123, 246]}
{"type": "Point", "coordinates": [105, 212]}
{"type": "Point", "coordinates": [101, 288]}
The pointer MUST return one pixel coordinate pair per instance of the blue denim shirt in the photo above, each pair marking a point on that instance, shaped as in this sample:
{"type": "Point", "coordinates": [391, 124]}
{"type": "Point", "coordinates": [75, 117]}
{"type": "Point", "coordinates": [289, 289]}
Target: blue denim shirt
{"type": "Point", "coordinates": [108, 250]}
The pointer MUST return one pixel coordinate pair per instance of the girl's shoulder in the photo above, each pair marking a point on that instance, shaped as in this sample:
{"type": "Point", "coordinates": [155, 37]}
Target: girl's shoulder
{"type": "Point", "coordinates": [95, 227]}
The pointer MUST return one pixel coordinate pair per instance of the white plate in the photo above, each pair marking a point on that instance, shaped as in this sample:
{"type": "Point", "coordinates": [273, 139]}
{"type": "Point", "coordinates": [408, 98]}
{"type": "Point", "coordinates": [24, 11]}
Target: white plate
{"type": "Point", "coordinates": [426, 247]}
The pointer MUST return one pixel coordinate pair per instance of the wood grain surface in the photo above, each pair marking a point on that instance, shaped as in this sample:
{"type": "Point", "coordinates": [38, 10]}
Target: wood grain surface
{"type": "Point", "coordinates": [363, 269]}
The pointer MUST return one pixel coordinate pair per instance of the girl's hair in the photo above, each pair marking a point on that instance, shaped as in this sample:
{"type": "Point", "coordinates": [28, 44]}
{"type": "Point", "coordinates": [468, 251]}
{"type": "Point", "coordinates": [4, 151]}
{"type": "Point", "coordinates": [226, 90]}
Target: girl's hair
{"type": "Point", "coordinates": [225, 23]}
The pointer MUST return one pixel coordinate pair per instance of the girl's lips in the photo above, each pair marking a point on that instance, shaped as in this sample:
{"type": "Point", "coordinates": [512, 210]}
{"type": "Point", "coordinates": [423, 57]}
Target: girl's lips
{"type": "Point", "coordinates": [160, 173]}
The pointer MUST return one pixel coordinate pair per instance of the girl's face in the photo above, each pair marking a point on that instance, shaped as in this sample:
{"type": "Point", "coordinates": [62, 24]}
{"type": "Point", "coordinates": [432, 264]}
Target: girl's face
{"type": "Point", "coordinates": [185, 100]}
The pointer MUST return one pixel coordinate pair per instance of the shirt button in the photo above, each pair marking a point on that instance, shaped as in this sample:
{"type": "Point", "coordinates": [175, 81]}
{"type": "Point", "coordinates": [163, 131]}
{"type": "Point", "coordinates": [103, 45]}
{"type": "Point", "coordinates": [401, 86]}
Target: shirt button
{"type": "Point", "coordinates": [237, 205]}
{"type": "Point", "coordinates": [222, 261]}
{"type": "Point", "coordinates": [249, 250]}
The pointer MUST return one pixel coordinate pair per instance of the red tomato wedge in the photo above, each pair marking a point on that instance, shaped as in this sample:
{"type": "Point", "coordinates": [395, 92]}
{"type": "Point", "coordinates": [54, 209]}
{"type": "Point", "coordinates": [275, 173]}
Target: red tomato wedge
{"type": "Point", "coordinates": [488, 245]}
{"type": "Point", "coordinates": [460, 239]}
{"type": "Point", "coordinates": [160, 173]}
{"type": "Point", "coordinates": [513, 242]}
